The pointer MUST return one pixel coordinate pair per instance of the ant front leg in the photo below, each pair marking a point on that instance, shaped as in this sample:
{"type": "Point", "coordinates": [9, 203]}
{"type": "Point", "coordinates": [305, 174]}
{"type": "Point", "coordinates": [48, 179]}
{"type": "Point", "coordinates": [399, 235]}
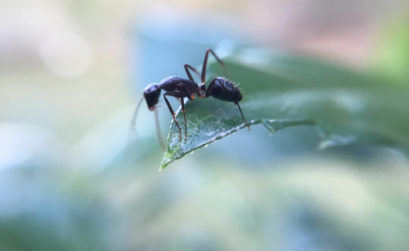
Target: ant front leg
{"type": "Point", "coordinates": [184, 115]}
{"type": "Point", "coordinates": [187, 67]}
{"type": "Point", "coordinates": [205, 64]}
{"type": "Point", "coordinates": [173, 114]}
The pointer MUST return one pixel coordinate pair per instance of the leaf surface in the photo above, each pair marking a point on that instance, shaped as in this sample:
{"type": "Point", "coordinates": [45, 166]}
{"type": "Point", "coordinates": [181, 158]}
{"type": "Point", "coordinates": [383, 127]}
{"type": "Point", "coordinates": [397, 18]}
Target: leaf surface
{"type": "Point", "coordinates": [282, 90]}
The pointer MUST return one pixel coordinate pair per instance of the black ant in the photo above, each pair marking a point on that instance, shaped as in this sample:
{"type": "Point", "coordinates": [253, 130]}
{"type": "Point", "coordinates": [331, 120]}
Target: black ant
{"type": "Point", "coordinates": [181, 88]}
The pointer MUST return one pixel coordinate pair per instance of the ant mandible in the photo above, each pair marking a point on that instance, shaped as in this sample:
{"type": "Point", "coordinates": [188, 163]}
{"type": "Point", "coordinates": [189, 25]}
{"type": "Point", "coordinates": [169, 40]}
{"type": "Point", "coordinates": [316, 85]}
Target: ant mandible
{"type": "Point", "coordinates": [181, 88]}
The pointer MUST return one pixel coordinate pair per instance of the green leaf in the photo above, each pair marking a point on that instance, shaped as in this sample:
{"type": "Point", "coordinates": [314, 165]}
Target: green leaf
{"type": "Point", "coordinates": [281, 90]}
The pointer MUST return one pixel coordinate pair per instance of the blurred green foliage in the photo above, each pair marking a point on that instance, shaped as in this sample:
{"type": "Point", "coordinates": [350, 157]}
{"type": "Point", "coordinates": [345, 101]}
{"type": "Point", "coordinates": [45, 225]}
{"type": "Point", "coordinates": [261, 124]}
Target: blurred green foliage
{"type": "Point", "coordinates": [392, 54]}
{"type": "Point", "coordinates": [217, 204]}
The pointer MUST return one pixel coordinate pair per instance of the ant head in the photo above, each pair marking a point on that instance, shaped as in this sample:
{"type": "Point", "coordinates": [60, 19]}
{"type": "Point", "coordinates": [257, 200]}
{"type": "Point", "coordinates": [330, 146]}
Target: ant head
{"type": "Point", "coordinates": [151, 95]}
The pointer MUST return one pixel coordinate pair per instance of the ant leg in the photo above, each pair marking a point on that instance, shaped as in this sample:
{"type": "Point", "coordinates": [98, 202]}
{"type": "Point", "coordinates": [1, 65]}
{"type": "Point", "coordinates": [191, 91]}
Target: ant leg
{"type": "Point", "coordinates": [187, 67]}
{"type": "Point", "coordinates": [184, 116]}
{"type": "Point", "coordinates": [205, 64]}
{"type": "Point", "coordinates": [173, 115]}
{"type": "Point", "coordinates": [248, 125]}
{"type": "Point", "coordinates": [158, 134]}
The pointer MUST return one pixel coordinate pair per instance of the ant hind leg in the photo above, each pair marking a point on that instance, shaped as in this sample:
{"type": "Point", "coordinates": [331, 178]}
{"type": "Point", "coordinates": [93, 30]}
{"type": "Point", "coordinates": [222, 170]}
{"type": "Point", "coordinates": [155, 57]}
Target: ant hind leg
{"type": "Point", "coordinates": [242, 116]}
{"type": "Point", "coordinates": [205, 64]}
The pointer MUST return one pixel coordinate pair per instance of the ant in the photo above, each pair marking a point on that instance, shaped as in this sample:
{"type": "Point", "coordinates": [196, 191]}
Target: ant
{"type": "Point", "coordinates": [181, 88]}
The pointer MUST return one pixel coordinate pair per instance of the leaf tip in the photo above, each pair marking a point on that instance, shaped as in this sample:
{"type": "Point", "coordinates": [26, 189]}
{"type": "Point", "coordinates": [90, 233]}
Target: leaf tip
{"type": "Point", "coordinates": [166, 160]}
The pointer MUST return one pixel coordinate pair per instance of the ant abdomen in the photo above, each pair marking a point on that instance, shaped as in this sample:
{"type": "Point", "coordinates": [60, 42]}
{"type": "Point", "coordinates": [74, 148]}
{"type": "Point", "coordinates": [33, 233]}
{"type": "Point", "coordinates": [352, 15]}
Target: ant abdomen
{"type": "Point", "coordinates": [224, 89]}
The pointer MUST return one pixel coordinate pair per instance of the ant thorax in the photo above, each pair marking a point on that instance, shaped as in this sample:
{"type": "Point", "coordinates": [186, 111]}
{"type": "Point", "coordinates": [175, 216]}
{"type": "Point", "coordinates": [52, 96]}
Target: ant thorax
{"type": "Point", "coordinates": [185, 86]}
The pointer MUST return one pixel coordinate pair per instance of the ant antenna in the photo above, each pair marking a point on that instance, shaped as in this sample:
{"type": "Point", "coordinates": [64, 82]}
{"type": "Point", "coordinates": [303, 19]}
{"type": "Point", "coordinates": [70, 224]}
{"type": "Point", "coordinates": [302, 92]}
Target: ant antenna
{"type": "Point", "coordinates": [158, 134]}
{"type": "Point", "coordinates": [157, 127]}
{"type": "Point", "coordinates": [135, 113]}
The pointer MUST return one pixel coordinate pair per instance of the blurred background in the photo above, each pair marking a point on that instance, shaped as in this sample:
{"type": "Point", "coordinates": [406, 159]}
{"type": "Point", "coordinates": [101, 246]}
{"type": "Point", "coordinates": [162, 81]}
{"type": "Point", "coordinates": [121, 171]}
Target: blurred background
{"type": "Point", "coordinates": [73, 178]}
